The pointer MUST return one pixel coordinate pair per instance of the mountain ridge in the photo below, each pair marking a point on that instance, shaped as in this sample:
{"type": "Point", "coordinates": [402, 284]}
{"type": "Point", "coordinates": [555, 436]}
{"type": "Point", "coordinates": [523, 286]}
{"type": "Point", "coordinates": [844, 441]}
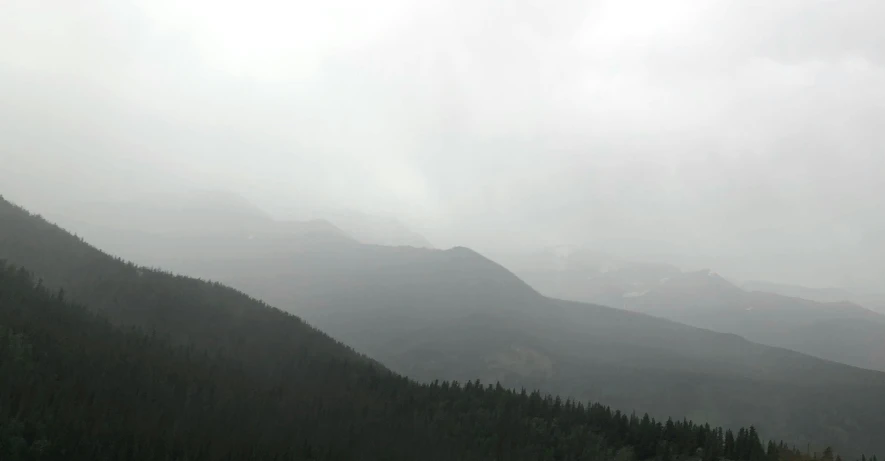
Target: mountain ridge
{"type": "Point", "coordinates": [455, 315]}
{"type": "Point", "coordinates": [710, 301]}
{"type": "Point", "coordinates": [292, 376]}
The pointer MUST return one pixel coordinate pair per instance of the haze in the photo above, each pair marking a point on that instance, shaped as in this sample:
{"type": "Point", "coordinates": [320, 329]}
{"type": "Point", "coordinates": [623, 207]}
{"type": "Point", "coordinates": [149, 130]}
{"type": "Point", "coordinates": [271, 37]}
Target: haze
{"type": "Point", "coordinates": [743, 136]}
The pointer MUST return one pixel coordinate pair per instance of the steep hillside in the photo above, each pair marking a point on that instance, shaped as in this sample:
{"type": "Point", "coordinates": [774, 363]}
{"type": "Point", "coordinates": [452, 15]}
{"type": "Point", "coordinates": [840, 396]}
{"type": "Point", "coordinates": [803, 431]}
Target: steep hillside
{"type": "Point", "coordinates": [839, 331]}
{"type": "Point", "coordinates": [473, 318]}
{"type": "Point", "coordinates": [872, 301]}
{"type": "Point", "coordinates": [579, 274]}
{"type": "Point", "coordinates": [221, 376]}
{"type": "Point", "coordinates": [189, 312]}
{"type": "Point", "coordinates": [456, 315]}
{"type": "Point", "coordinates": [121, 395]}
{"type": "Point", "coordinates": [823, 295]}
{"type": "Point", "coordinates": [628, 360]}
{"type": "Point", "coordinates": [220, 222]}
{"type": "Point", "coordinates": [375, 230]}
{"type": "Point", "coordinates": [167, 232]}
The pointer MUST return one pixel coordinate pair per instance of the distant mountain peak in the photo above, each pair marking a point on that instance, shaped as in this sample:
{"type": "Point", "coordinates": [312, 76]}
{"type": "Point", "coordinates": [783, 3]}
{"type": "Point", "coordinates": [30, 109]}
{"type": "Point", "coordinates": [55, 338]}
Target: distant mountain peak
{"type": "Point", "coordinates": [704, 279]}
{"type": "Point", "coordinates": [463, 250]}
{"type": "Point", "coordinates": [375, 229]}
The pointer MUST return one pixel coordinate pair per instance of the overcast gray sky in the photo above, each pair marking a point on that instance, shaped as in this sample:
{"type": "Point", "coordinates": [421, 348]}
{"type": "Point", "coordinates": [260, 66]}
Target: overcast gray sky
{"type": "Point", "coordinates": [741, 130]}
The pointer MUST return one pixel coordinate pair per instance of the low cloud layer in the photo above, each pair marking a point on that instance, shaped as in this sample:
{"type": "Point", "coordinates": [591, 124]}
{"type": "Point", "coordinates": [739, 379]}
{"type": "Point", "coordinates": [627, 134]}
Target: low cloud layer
{"type": "Point", "coordinates": [742, 134]}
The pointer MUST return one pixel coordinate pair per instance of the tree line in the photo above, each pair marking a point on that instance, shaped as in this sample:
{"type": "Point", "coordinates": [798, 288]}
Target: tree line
{"type": "Point", "coordinates": [76, 386]}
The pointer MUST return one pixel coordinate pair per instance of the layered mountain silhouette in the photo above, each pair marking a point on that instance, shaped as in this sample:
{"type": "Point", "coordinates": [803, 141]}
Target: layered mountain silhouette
{"type": "Point", "coordinates": [158, 366]}
{"type": "Point", "coordinates": [177, 228]}
{"type": "Point", "coordinates": [217, 224]}
{"type": "Point", "coordinates": [375, 230]}
{"type": "Point", "coordinates": [824, 295]}
{"type": "Point", "coordinates": [837, 329]}
{"type": "Point", "coordinates": [454, 314]}
{"type": "Point", "coordinates": [870, 300]}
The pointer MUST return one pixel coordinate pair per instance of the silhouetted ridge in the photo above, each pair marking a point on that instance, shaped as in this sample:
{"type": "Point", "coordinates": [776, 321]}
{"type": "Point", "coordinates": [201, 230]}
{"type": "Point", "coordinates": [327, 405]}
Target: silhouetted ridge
{"type": "Point", "coordinates": [241, 380]}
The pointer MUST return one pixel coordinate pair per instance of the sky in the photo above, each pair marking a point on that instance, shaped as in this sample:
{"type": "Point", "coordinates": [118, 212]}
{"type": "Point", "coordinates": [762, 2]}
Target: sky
{"type": "Point", "coordinates": [743, 134]}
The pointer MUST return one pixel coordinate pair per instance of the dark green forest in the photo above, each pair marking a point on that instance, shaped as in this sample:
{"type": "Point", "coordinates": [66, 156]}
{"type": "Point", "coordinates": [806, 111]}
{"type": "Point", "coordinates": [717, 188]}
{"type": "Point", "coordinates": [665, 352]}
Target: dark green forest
{"type": "Point", "coordinates": [77, 387]}
{"type": "Point", "coordinates": [104, 360]}
{"type": "Point", "coordinates": [456, 315]}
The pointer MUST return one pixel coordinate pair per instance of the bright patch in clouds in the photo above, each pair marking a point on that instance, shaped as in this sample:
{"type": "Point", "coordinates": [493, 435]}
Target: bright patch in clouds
{"type": "Point", "coordinates": [274, 39]}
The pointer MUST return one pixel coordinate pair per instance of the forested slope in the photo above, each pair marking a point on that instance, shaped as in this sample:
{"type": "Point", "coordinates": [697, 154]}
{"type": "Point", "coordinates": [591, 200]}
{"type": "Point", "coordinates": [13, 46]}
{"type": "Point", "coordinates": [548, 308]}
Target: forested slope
{"type": "Point", "coordinates": [218, 375]}
{"type": "Point", "coordinates": [454, 314]}
{"type": "Point", "coordinates": [76, 388]}
{"type": "Point", "coordinates": [176, 368]}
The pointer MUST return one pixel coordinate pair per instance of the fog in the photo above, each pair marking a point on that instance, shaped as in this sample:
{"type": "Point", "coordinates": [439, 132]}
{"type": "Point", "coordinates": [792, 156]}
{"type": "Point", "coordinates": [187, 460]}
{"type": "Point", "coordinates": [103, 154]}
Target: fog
{"type": "Point", "coordinates": [744, 136]}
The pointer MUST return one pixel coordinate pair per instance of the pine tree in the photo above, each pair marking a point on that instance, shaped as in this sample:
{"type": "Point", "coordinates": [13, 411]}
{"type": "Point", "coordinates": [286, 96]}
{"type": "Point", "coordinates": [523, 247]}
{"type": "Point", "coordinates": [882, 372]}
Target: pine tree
{"type": "Point", "coordinates": [827, 455]}
{"type": "Point", "coordinates": [772, 452]}
{"type": "Point", "coordinates": [730, 452]}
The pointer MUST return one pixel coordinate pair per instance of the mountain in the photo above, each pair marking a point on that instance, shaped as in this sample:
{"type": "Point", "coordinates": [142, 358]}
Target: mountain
{"type": "Point", "coordinates": [210, 224]}
{"type": "Point", "coordinates": [839, 331]}
{"type": "Point", "coordinates": [580, 274]}
{"type": "Point", "coordinates": [167, 367]}
{"type": "Point", "coordinates": [454, 314]}
{"type": "Point", "coordinates": [204, 225]}
{"type": "Point", "coordinates": [872, 301]}
{"type": "Point", "coordinates": [195, 210]}
{"type": "Point", "coordinates": [836, 330]}
{"type": "Point", "coordinates": [824, 295]}
{"type": "Point", "coordinates": [375, 230]}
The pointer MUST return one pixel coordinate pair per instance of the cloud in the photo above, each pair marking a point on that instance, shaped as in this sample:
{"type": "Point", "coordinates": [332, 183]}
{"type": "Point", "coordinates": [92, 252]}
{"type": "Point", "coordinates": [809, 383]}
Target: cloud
{"type": "Point", "coordinates": [691, 123]}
